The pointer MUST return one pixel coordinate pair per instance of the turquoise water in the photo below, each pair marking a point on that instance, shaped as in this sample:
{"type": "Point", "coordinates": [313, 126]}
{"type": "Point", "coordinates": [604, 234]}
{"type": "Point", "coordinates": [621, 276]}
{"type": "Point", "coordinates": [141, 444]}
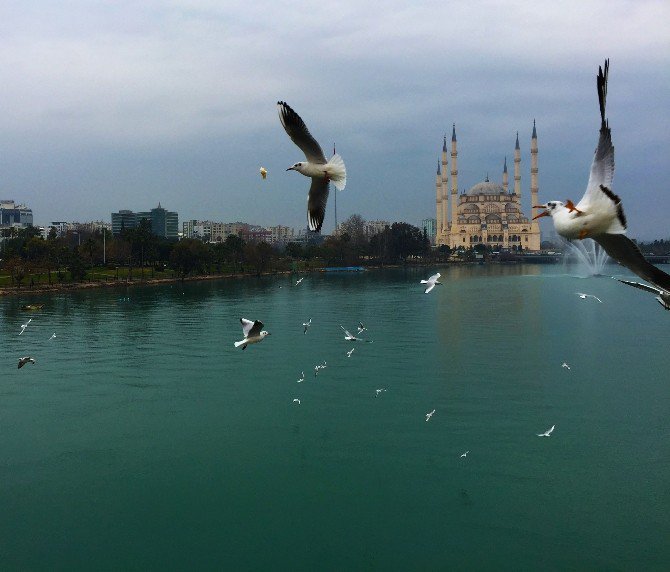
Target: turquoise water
{"type": "Point", "coordinates": [142, 439]}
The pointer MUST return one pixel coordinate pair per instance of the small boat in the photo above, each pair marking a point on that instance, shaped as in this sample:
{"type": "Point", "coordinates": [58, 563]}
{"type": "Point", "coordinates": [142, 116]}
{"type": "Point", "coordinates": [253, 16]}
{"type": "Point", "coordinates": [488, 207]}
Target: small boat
{"type": "Point", "coordinates": [32, 306]}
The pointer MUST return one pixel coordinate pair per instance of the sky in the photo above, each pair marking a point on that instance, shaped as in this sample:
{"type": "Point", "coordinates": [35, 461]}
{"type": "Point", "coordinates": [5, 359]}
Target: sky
{"type": "Point", "coordinates": [112, 105]}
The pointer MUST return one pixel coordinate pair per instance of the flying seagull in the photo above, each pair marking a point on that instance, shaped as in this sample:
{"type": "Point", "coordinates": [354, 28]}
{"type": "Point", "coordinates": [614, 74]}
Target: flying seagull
{"type": "Point", "coordinates": [264, 172]}
{"type": "Point", "coordinates": [465, 454]}
{"type": "Point", "coordinates": [547, 433]}
{"type": "Point", "coordinates": [378, 391]}
{"type": "Point", "coordinates": [300, 280]}
{"type": "Point", "coordinates": [318, 367]}
{"type": "Point", "coordinates": [307, 325]}
{"type": "Point", "coordinates": [52, 336]}
{"type": "Point", "coordinates": [253, 333]}
{"type": "Point", "coordinates": [24, 326]}
{"type": "Point", "coordinates": [585, 296]}
{"type": "Point", "coordinates": [565, 365]}
{"type": "Point", "coordinates": [349, 336]}
{"type": "Point", "coordinates": [429, 415]}
{"type": "Point", "coordinates": [599, 214]}
{"type": "Point", "coordinates": [296, 400]}
{"type": "Point", "coordinates": [663, 296]}
{"type": "Point", "coordinates": [361, 328]}
{"type": "Point", "coordinates": [351, 351]}
{"type": "Point", "coordinates": [24, 360]}
{"type": "Point", "coordinates": [316, 167]}
{"type": "Point", "coordinates": [431, 282]}
{"type": "Point", "coordinates": [302, 378]}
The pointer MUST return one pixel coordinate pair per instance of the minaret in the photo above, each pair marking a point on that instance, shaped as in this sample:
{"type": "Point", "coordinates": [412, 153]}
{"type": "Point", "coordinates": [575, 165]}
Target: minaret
{"type": "Point", "coordinates": [517, 169]}
{"type": "Point", "coordinates": [505, 177]}
{"type": "Point", "coordinates": [445, 192]}
{"type": "Point", "coordinates": [438, 202]}
{"type": "Point", "coordinates": [533, 171]}
{"type": "Point", "coordinates": [454, 182]}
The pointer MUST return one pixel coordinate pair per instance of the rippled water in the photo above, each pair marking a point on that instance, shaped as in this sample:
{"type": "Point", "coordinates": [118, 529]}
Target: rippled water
{"type": "Point", "coordinates": [142, 439]}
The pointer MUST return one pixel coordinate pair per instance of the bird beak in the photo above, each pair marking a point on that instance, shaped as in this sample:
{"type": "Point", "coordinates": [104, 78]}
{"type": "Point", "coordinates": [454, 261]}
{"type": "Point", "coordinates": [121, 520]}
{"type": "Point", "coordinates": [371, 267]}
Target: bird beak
{"type": "Point", "coordinates": [543, 213]}
{"type": "Point", "coordinates": [290, 169]}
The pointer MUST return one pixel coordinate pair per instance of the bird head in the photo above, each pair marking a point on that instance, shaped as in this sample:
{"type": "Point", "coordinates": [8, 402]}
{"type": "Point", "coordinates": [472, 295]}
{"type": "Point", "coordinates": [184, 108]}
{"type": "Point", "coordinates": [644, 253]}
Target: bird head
{"type": "Point", "coordinates": [300, 167]}
{"type": "Point", "coordinates": [550, 208]}
{"type": "Point", "coordinates": [264, 333]}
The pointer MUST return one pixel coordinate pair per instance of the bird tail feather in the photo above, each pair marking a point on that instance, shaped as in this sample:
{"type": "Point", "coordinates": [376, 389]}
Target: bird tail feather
{"type": "Point", "coordinates": [238, 344]}
{"type": "Point", "coordinates": [337, 172]}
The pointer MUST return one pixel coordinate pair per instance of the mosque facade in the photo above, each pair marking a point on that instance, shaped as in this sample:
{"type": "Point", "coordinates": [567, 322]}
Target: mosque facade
{"type": "Point", "coordinates": [488, 213]}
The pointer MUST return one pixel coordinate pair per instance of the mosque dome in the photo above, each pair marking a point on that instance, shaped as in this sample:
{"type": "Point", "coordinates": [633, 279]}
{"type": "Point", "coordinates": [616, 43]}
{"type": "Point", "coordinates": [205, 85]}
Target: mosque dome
{"type": "Point", "coordinates": [486, 188]}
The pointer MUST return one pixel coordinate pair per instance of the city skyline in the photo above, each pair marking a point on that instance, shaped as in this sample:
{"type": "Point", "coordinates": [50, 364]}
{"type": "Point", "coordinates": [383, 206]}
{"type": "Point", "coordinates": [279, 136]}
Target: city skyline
{"type": "Point", "coordinates": [119, 106]}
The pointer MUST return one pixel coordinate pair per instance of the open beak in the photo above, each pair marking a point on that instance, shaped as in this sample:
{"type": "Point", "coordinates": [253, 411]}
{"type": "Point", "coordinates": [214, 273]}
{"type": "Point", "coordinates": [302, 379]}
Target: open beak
{"type": "Point", "coordinates": [543, 213]}
{"type": "Point", "coordinates": [290, 169]}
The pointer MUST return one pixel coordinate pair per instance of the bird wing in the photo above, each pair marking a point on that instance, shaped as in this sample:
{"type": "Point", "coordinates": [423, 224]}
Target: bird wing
{"type": "Point", "coordinates": [429, 288]}
{"type": "Point", "coordinates": [247, 325]}
{"type": "Point", "coordinates": [434, 277]}
{"type": "Point", "coordinates": [550, 430]}
{"type": "Point", "coordinates": [626, 252]}
{"type": "Point", "coordinates": [299, 134]}
{"type": "Point", "coordinates": [316, 203]}
{"type": "Point", "coordinates": [642, 286]}
{"type": "Point", "coordinates": [255, 328]}
{"type": "Point", "coordinates": [346, 332]}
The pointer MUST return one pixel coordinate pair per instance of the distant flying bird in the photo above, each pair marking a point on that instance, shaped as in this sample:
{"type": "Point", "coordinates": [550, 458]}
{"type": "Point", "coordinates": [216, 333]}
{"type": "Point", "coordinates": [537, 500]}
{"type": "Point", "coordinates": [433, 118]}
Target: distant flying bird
{"type": "Point", "coordinates": [318, 367]}
{"type": "Point", "coordinates": [599, 214]}
{"type": "Point", "coordinates": [24, 360]}
{"type": "Point", "coordinates": [300, 280]}
{"type": "Point", "coordinates": [264, 172]}
{"type": "Point", "coordinates": [465, 454]}
{"type": "Point", "coordinates": [585, 296]}
{"type": "Point", "coordinates": [565, 365]}
{"type": "Point", "coordinates": [302, 378]}
{"type": "Point", "coordinates": [253, 333]}
{"type": "Point", "coordinates": [296, 400]}
{"type": "Point", "coordinates": [307, 325]}
{"type": "Point", "coordinates": [431, 282]}
{"type": "Point", "coordinates": [52, 336]}
{"type": "Point", "coordinates": [361, 328]}
{"type": "Point", "coordinates": [663, 296]}
{"type": "Point", "coordinates": [24, 326]}
{"type": "Point", "coordinates": [316, 166]}
{"type": "Point", "coordinates": [351, 351]}
{"type": "Point", "coordinates": [429, 415]}
{"type": "Point", "coordinates": [547, 433]}
{"type": "Point", "coordinates": [349, 336]}
{"type": "Point", "coordinates": [378, 391]}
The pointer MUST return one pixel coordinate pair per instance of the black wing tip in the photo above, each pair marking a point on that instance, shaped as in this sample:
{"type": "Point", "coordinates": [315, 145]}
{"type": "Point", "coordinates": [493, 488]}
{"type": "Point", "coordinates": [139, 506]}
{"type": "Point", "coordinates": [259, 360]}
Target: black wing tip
{"type": "Point", "coordinates": [616, 199]}
{"type": "Point", "coordinates": [603, 72]}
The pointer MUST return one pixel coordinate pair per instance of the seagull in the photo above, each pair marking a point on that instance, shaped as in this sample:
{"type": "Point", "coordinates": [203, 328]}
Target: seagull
{"type": "Point", "coordinates": [302, 378]}
{"type": "Point", "coordinates": [361, 328]}
{"type": "Point", "coordinates": [663, 295]}
{"type": "Point", "coordinates": [351, 351]}
{"type": "Point", "coordinates": [296, 400]}
{"type": "Point", "coordinates": [52, 336]}
{"type": "Point", "coordinates": [465, 454]}
{"type": "Point", "coordinates": [348, 336]}
{"type": "Point", "coordinates": [253, 333]}
{"type": "Point", "coordinates": [299, 281]}
{"type": "Point", "coordinates": [547, 433]}
{"type": "Point", "coordinates": [24, 360]}
{"type": "Point", "coordinates": [585, 296]}
{"type": "Point", "coordinates": [378, 391]}
{"type": "Point", "coordinates": [431, 282]}
{"type": "Point", "coordinates": [307, 325]}
{"type": "Point", "coordinates": [318, 367]}
{"type": "Point", "coordinates": [316, 167]}
{"type": "Point", "coordinates": [264, 172]}
{"type": "Point", "coordinates": [599, 214]}
{"type": "Point", "coordinates": [24, 326]}
{"type": "Point", "coordinates": [565, 365]}
{"type": "Point", "coordinates": [429, 415]}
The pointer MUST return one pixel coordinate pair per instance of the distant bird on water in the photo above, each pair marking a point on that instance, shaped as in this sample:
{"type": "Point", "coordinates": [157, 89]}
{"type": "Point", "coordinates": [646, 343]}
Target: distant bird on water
{"type": "Point", "coordinates": [547, 433]}
{"type": "Point", "coordinates": [306, 325]}
{"type": "Point", "coordinates": [300, 280]}
{"type": "Point", "coordinates": [599, 214]}
{"type": "Point", "coordinates": [431, 282]}
{"type": "Point", "coordinates": [429, 415]}
{"type": "Point", "coordinates": [663, 296]}
{"type": "Point", "coordinates": [253, 333]}
{"type": "Point", "coordinates": [585, 296]}
{"type": "Point", "coordinates": [24, 360]}
{"type": "Point", "coordinates": [264, 172]}
{"type": "Point", "coordinates": [565, 365]}
{"type": "Point", "coordinates": [24, 326]}
{"type": "Point", "coordinates": [316, 167]}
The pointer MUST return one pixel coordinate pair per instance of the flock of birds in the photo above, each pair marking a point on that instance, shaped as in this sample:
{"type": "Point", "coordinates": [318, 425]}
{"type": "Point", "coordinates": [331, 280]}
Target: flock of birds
{"type": "Point", "coordinates": [29, 359]}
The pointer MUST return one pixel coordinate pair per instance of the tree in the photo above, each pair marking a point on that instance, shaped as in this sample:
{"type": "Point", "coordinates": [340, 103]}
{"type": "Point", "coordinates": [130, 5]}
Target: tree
{"type": "Point", "coordinates": [189, 256]}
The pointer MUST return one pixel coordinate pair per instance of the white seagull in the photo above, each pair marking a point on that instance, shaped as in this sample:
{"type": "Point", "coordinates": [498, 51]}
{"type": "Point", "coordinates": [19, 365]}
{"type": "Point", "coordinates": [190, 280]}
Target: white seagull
{"type": "Point", "coordinates": [302, 378]}
{"type": "Point", "coordinates": [253, 333]}
{"type": "Point", "coordinates": [24, 360]}
{"type": "Point", "coordinates": [299, 280]}
{"type": "Point", "coordinates": [24, 326]}
{"type": "Point", "coordinates": [349, 336]}
{"type": "Point", "coordinates": [429, 415]}
{"type": "Point", "coordinates": [565, 365]}
{"type": "Point", "coordinates": [306, 325]}
{"type": "Point", "coordinates": [465, 454]}
{"type": "Point", "coordinates": [378, 391]}
{"type": "Point", "coordinates": [663, 296]}
{"type": "Point", "coordinates": [599, 214]}
{"type": "Point", "coordinates": [318, 367]}
{"type": "Point", "coordinates": [431, 282]}
{"type": "Point", "coordinates": [296, 400]}
{"type": "Point", "coordinates": [351, 351]}
{"type": "Point", "coordinates": [547, 433]}
{"type": "Point", "coordinates": [585, 296]}
{"type": "Point", "coordinates": [316, 167]}
{"type": "Point", "coordinates": [52, 336]}
{"type": "Point", "coordinates": [361, 328]}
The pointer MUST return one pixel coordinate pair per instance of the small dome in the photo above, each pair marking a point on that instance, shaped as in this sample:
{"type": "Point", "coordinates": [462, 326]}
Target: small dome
{"type": "Point", "coordinates": [486, 188]}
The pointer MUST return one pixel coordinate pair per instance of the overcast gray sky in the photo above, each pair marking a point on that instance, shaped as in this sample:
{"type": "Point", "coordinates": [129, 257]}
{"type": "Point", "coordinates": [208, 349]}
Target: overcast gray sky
{"type": "Point", "coordinates": [122, 104]}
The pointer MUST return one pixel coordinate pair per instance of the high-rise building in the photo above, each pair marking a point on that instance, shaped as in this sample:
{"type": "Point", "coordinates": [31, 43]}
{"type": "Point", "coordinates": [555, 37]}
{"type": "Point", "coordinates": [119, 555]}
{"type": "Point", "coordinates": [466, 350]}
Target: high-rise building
{"type": "Point", "coordinates": [430, 226]}
{"type": "Point", "coordinates": [12, 214]}
{"type": "Point", "coordinates": [164, 223]}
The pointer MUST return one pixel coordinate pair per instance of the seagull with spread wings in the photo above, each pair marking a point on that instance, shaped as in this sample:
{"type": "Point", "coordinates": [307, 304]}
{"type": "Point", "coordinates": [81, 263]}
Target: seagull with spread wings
{"type": "Point", "coordinates": [253, 333]}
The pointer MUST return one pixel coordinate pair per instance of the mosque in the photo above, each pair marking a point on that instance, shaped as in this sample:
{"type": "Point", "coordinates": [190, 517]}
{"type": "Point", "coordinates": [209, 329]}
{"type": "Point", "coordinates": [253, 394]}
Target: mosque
{"type": "Point", "coordinates": [487, 213]}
